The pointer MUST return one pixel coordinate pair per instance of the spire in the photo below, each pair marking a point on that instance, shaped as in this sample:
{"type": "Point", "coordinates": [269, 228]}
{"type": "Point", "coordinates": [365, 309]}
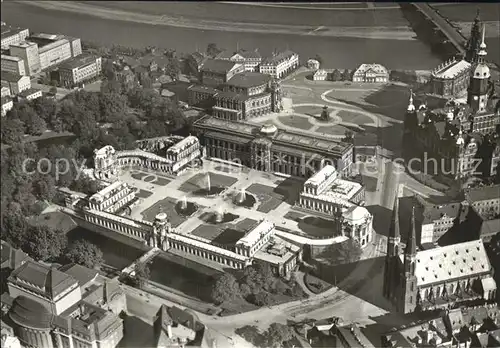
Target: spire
{"type": "Point", "coordinates": [394, 228]}
{"type": "Point", "coordinates": [411, 107]}
{"type": "Point", "coordinates": [411, 245]}
{"type": "Point", "coordinates": [477, 19]}
{"type": "Point", "coordinates": [483, 44]}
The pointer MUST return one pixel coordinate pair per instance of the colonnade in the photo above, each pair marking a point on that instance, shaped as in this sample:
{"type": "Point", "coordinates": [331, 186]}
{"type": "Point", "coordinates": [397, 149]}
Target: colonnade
{"type": "Point", "coordinates": [138, 232]}
{"type": "Point", "coordinates": [145, 163]}
{"type": "Point", "coordinates": [321, 205]}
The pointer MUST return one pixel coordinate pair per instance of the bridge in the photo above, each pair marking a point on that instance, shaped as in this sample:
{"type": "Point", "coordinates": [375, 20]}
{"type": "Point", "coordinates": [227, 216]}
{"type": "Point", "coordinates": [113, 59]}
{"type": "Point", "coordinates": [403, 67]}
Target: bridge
{"type": "Point", "coordinates": [130, 270]}
{"type": "Point", "coordinates": [454, 36]}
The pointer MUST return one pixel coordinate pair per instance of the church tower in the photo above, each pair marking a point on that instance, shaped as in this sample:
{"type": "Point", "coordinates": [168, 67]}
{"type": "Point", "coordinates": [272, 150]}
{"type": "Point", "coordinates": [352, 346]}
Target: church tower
{"type": "Point", "coordinates": [408, 299]}
{"type": "Point", "coordinates": [479, 80]}
{"type": "Point", "coordinates": [472, 47]}
{"type": "Point", "coordinates": [391, 270]}
{"type": "Point", "coordinates": [410, 121]}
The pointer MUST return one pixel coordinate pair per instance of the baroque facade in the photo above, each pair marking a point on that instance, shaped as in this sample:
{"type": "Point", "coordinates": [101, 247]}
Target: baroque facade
{"type": "Point", "coordinates": [174, 155]}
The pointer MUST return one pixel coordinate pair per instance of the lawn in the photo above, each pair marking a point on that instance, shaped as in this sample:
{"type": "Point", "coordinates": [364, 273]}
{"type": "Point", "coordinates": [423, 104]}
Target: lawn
{"type": "Point", "coordinates": [268, 199]}
{"type": "Point", "coordinates": [143, 194]}
{"type": "Point", "coordinates": [295, 121]}
{"type": "Point", "coordinates": [161, 181]}
{"type": "Point", "coordinates": [166, 205]}
{"type": "Point", "coordinates": [318, 227]}
{"type": "Point", "coordinates": [138, 175]}
{"type": "Point", "coordinates": [294, 215]}
{"type": "Point", "coordinates": [200, 181]}
{"type": "Point", "coordinates": [353, 117]}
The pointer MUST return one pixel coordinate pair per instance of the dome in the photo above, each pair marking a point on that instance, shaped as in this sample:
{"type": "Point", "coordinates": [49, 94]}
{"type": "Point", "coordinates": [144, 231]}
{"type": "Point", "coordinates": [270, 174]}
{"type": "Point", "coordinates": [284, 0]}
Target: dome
{"type": "Point", "coordinates": [482, 71]}
{"type": "Point", "coordinates": [30, 313]}
{"type": "Point", "coordinates": [161, 217]}
{"type": "Point", "coordinates": [356, 214]}
{"type": "Point", "coordinates": [268, 129]}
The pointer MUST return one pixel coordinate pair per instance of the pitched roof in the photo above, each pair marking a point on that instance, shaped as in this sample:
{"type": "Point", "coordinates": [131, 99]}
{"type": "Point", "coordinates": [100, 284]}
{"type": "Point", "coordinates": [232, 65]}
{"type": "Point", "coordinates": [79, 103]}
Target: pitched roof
{"type": "Point", "coordinates": [12, 257]}
{"type": "Point", "coordinates": [279, 58]}
{"type": "Point", "coordinates": [42, 279]}
{"type": "Point", "coordinates": [482, 193]}
{"type": "Point", "coordinates": [450, 262]}
{"type": "Point", "coordinates": [218, 66]}
{"type": "Point", "coordinates": [248, 79]}
{"type": "Point", "coordinates": [83, 274]}
{"type": "Point", "coordinates": [10, 76]}
{"type": "Point", "coordinates": [249, 54]}
{"type": "Point", "coordinates": [489, 228]}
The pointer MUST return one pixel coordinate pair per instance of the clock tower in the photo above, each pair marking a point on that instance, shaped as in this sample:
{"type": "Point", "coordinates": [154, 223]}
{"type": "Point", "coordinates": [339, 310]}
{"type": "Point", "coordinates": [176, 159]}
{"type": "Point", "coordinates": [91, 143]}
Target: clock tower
{"type": "Point", "coordinates": [477, 96]}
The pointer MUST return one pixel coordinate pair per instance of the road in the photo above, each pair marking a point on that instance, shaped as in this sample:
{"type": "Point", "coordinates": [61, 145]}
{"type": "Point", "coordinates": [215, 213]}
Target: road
{"type": "Point", "coordinates": [448, 30]}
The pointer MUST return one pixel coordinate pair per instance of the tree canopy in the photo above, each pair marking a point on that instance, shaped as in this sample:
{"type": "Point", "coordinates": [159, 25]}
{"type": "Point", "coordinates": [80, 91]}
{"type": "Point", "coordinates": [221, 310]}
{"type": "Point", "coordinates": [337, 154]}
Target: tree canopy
{"type": "Point", "coordinates": [44, 243]}
{"type": "Point", "coordinates": [85, 253]}
{"type": "Point", "coordinates": [225, 288]}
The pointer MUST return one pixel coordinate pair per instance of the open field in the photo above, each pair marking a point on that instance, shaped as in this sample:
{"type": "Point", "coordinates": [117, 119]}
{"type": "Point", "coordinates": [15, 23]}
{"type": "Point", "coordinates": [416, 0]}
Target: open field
{"type": "Point", "coordinates": [353, 117]}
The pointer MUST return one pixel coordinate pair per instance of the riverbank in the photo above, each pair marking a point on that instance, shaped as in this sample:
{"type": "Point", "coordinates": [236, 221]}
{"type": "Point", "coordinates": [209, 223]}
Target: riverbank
{"type": "Point", "coordinates": [345, 51]}
{"type": "Point", "coordinates": [400, 32]}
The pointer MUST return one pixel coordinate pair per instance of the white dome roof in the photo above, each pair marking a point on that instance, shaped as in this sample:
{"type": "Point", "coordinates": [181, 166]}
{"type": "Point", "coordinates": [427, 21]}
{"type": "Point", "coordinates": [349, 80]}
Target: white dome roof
{"type": "Point", "coordinates": [161, 216]}
{"type": "Point", "coordinates": [481, 71]}
{"type": "Point", "coordinates": [268, 129]}
{"type": "Point", "coordinates": [356, 214]}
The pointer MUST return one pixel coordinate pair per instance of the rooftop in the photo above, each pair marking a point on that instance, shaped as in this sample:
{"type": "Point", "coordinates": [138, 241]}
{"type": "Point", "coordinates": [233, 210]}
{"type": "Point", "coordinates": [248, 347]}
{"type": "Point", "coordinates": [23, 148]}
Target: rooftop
{"type": "Point", "coordinates": [317, 143]}
{"type": "Point", "coordinates": [233, 96]}
{"type": "Point", "coordinates": [318, 178]}
{"type": "Point", "coordinates": [24, 44]}
{"type": "Point", "coordinates": [11, 257]}
{"type": "Point", "coordinates": [248, 79]}
{"type": "Point", "coordinates": [52, 45]}
{"type": "Point", "coordinates": [277, 251]}
{"type": "Point", "coordinates": [218, 66]}
{"type": "Point", "coordinates": [279, 58]}
{"type": "Point", "coordinates": [11, 58]}
{"type": "Point", "coordinates": [181, 145]}
{"type": "Point", "coordinates": [202, 88]}
{"type": "Point", "coordinates": [30, 91]}
{"type": "Point", "coordinates": [30, 313]}
{"type": "Point", "coordinates": [83, 274]}
{"type": "Point", "coordinates": [253, 236]}
{"type": "Point", "coordinates": [451, 69]}
{"type": "Point", "coordinates": [107, 190]}
{"type": "Point", "coordinates": [442, 264]}
{"type": "Point", "coordinates": [376, 68]}
{"type": "Point", "coordinates": [10, 76]}
{"type": "Point", "coordinates": [42, 279]}
{"type": "Point", "coordinates": [8, 31]}
{"type": "Point", "coordinates": [78, 62]}
{"type": "Point", "coordinates": [483, 193]}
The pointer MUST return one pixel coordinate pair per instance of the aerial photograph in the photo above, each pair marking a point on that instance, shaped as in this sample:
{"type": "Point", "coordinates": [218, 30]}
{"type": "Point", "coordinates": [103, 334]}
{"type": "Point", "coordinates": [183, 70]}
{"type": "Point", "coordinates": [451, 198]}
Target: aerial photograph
{"type": "Point", "coordinates": [206, 174]}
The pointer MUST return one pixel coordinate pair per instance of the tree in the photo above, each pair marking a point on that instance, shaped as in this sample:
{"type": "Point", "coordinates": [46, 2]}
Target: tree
{"type": "Point", "coordinates": [14, 225]}
{"type": "Point", "coordinates": [261, 298]}
{"type": "Point", "coordinates": [45, 188]}
{"type": "Point", "coordinates": [213, 50]}
{"type": "Point", "coordinates": [277, 334]}
{"type": "Point", "coordinates": [12, 131]}
{"type": "Point", "coordinates": [346, 252]}
{"type": "Point", "coordinates": [142, 274]}
{"type": "Point", "coordinates": [53, 91]}
{"type": "Point", "coordinates": [85, 253]}
{"type": "Point", "coordinates": [44, 243]}
{"type": "Point", "coordinates": [86, 185]}
{"type": "Point", "coordinates": [348, 136]}
{"type": "Point", "coordinates": [319, 59]}
{"type": "Point", "coordinates": [346, 75]}
{"type": "Point", "coordinates": [173, 69]}
{"type": "Point", "coordinates": [336, 75]}
{"type": "Point", "coordinates": [225, 288]}
{"type": "Point", "coordinates": [35, 125]}
{"type": "Point", "coordinates": [113, 106]}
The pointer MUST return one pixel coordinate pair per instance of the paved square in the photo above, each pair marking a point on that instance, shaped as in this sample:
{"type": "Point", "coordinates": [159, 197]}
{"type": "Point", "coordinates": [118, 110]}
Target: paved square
{"type": "Point", "coordinates": [353, 117]}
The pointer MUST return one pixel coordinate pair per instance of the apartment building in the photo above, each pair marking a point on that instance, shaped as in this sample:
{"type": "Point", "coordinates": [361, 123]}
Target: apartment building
{"type": "Point", "coordinates": [16, 83]}
{"type": "Point", "coordinates": [13, 64]}
{"type": "Point", "coordinates": [13, 35]}
{"type": "Point", "coordinates": [30, 94]}
{"type": "Point", "coordinates": [249, 59]}
{"type": "Point", "coordinates": [5, 91]}
{"type": "Point", "coordinates": [79, 70]}
{"type": "Point", "coordinates": [28, 52]}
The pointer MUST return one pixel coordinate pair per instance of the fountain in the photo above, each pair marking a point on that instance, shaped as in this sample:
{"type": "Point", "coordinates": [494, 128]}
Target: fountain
{"type": "Point", "coordinates": [244, 199]}
{"type": "Point", "coordinates": [185, 208]}
{"type": "Point", "coordinates": [209, 190]}
{"type": "Point", "coordinates": [220, 216]}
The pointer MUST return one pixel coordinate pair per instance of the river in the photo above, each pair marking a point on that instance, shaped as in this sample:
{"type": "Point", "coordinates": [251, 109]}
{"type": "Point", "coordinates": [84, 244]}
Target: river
{"type": "Point", "coordinates": [340, 52]}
